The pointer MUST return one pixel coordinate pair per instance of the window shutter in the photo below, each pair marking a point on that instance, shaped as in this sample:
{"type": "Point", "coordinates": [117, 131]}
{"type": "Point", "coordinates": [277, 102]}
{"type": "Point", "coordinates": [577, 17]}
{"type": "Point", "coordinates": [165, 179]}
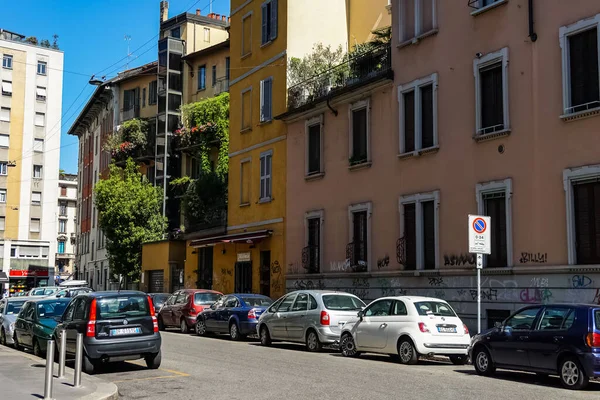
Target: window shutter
{"type": "Point", "coordinates": [268, 99]}
{"type": "Point", "coordinates": [136, 97]}
{"type": "Point", "coordinates": [262, 100]}
{"type": "Point", "coordinates": [273, 33]}
{"type": "Point", "coordinates": [265, 24]}
{"type": "Point", "coordinates": [492, 102]}
{"type": "Point", "coordinates": [427, 117]}
{"type": "Point", "coordinates": [314, 149]}
{"type": "Point", "coordinates": [262, 177]}
{"type": "Point", "coordinates": [409, 121]}
{"type": "Point", "coordinates": [587, 222]}
{"type": "Point", "coordinates": [495, 207]}
{"type": "Point", "coordinates": [583, 59]}
{"type": "Point", "coordinates": [410, 236]}
{"type": "Point", "coordinates": [428, 208]}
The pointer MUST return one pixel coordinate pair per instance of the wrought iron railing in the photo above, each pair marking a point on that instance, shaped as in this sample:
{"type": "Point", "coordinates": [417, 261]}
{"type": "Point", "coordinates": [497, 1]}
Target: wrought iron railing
{"type": "Point", "coordinates": [356, 254]}
{"type": "Point", "coordinates": [221, 85]}
{"type": "Point", "coordinates": [371, 65]}
{"type": "Point", "coordinates": [311, 259]}
{"type": "Point", "coordinates": [401, 251]}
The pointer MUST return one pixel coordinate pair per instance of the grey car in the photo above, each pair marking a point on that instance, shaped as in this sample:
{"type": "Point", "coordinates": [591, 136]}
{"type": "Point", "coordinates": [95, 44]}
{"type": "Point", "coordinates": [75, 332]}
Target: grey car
{"type": "Point", "coordinates": [313, 317]}
{"type": "Point", "coordinates": [9, 309]}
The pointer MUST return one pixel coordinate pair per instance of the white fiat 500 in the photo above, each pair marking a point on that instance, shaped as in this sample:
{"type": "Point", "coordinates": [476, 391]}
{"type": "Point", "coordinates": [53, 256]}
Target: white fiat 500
{"type": "Point", "coordinates": [407, 326]}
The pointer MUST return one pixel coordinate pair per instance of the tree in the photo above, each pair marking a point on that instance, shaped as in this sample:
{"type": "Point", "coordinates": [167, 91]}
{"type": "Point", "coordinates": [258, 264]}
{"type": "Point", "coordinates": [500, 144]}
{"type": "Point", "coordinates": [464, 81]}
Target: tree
{"type": "Point", "coordinates": [321, 59]}
{"type": "Point", "coordinates": [129, 214]}
{"type": "Point", "coordinates": [55, 42]}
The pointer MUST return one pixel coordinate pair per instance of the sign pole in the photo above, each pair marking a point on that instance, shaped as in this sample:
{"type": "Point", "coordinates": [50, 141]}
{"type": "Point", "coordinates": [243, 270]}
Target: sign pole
{"type": "Point", "coordinates": [479, 266]}
{"type": "Point", "coordinates": [479, 244]}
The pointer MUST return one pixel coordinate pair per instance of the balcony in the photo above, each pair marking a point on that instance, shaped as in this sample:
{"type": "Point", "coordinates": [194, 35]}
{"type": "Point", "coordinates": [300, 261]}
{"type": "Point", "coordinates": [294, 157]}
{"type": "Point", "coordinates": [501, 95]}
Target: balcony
{"type": "Point", "coordinates": [221, 85]}
{"type": "Point", "coordinates": [356, 254]}
{"type": "Point", "coordinates": [360, 70]}
{"type": "Point", "coordinates": [311, 259]}
{"type": "Point", "coordinates": [130, 113]}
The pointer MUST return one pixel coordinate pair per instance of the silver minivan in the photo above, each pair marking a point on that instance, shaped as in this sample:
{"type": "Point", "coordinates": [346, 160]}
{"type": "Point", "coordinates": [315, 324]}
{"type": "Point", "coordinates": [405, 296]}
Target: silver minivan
{"type": "Point", "coordinates": [314, 317]}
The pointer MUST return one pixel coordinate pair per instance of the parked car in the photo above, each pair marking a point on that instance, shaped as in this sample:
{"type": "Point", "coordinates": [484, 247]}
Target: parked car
{"type": "Point", "coordinates": [158, 299]}
{"type": "Point", "coordinates": [407, 326]}
{"type": "Point", "coordinates": [313, 317]}
{"type": "Point", "coordinates": [550, 339]}
{"type": "Point", "coordinates": [73, 283]}
{"type": "Point", "coordinates": [72, 291]}
{"type": "Point", "coordinates": [117, 326]}
{"type": "Point", "coordinates": [35, 323]}
{"type": "Point", "coordinates": [182, 308]}
{"type": "Point", "coordinates": [43, 291]}
{"type": "Point", "coordinates": [236, 314]}
{"type": "Point", "coordinates": [9, 309]}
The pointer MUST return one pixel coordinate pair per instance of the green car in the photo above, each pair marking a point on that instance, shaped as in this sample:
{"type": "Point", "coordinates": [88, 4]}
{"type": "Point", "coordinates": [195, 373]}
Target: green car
{"type": "Point", "coordinates": [36, 322]}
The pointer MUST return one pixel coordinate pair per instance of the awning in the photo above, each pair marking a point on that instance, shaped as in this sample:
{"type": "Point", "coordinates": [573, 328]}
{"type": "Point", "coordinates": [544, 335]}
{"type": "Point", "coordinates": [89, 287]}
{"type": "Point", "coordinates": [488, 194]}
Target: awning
{"type": "Point", "coordinates": [40, 91]}
{"type": "Point", "coordinates": [246, 237]}
{"type": "Point", "coordinates": [7, 87]}
{"type": "Point", "coordinates": [3, 277]}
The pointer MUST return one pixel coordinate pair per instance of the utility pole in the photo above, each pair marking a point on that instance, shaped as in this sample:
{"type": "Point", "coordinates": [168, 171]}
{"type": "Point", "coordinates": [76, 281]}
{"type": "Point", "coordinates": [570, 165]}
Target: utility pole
{"type": "Point", "coordinates": [127, 39]}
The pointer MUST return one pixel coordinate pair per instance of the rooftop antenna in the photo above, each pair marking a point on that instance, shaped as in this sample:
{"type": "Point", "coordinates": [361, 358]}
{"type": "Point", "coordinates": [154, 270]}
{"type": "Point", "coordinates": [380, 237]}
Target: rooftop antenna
{"type": "Point", "coordinates": [210, 6]}
{"type": "Point", "coordinates": [127, 38]}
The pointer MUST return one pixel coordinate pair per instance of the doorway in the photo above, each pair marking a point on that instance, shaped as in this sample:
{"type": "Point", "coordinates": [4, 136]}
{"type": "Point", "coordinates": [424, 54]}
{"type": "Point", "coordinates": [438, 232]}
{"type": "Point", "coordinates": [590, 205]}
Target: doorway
{"type": "Point", "coordinates": [243, 277]}
{"type": "Point", "coordinates": [265, 273]}
{"type": "Point", "coordinates": [205, 268]}
{"type": "Point", "coordinates": [177, 278]}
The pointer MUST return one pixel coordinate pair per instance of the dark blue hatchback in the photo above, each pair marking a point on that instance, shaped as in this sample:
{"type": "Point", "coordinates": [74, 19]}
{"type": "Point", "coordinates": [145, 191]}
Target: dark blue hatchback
{"type": "Point", "coordinates": [551, 339]}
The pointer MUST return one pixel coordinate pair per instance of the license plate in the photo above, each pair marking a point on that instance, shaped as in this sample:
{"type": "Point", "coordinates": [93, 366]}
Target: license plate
{"type": "Point", "coordinates": [442, 329]}
{"type": "Point", "coordinates": [125, 331]}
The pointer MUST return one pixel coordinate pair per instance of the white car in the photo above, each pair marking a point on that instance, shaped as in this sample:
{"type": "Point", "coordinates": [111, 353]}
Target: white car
{"type": "Point", "coordinates": [407, 326]}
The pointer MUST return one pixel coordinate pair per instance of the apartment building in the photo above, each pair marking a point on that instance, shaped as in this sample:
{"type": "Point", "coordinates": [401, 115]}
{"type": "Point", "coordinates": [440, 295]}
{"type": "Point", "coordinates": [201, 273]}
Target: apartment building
{"type": "Point", "coordinates": [30, 120]}
{"type": "Point", "coordinates": [492, 111]}
{"type": "Point", "coordinates": [66, 234]}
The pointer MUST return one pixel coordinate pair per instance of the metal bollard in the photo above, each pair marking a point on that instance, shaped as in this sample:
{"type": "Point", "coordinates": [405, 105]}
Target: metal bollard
{"type": "Point", "coordinates": [78, 360]}
{"type": "Point", "coordinates": [62, 356]}
{"type": "Point", "coordinates": [49, 370]}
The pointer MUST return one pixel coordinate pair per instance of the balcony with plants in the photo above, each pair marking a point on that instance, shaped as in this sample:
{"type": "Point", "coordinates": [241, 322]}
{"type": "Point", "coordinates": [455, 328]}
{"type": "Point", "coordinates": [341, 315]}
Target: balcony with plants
{"type": "Point", "coordinates": [131, 140]}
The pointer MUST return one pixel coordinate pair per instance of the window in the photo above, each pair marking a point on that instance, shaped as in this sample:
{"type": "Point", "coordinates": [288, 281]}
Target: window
{"type": "Point", "coordinates": [399, 308]}
{"type": "Point", "coordinates": [7, 88]}
{"type": "Point", "coordinates": [144, 97]}
{"type": "Point", "coordinates": [40, 119]}
{"type": "Point", "coordinates": [286, 304]}
{"type": "Point", "coordinates": [202, 77]}
{"type": "Point", "coordinates": [579, 46]}
{"type": "Point", "coordinates": [3, 168]}
{"type": "Point", "coordinates": [245, 182]}
{"type": "Point", "coordinates": [556, 318]}
{"type": "Point", "coordinates": [266, 100]}
{"type": "Point", "coordinates": [314, 146]}
{"type": "Point", "coordinates": [359, 248]}
{"type": "Point", "coordinates": [523, 320]}
{"type": "Point", "coordinates": [4, 114]}
{"type": "Point", "coordinates": [266, 160]}
{"type": "Point", "coordinates": [130, 101]}
{"type": "Point", "coordinates": [418, 18]}
{"type": "Point", "coordinates": [311, 255]}
{"type": "Point", "coordinates": [41, 67]}
{"type": "Point", "coordinates": [483, 5]}
{"type": "Point", "coordinates": [40, 93]}
{"type": "Point", "coordinates": [63, 190]}
{"type": "Point", "coordinates": [586, 210]}
{"type": "Point", "coordinates": [494, 200]}
{"type": "Point", "coordinates": [38, 145]}
{"type": "Point", "coordinates": [437, 308]}
{"type": "Point", "coordinates": [247, 109]}
{"type": "Point", "coordinates": [214, 75]}
{"type": "Point", "coordinates": [62, 210]}
{"type": "Point", "coordinates": [301, 303]}
{"type": "Point", "coordinates": [37, 171]}
{"type": "Point", "coordinates": [7, 61]}
{"type": "Point", "coordinates": [269, 21]}
{"type": "Point", "coordinates": [62, 226]}
{"type": "Point", "coordinates": [176, 32]}
{"type": "Point", "coordinates": [418, 114]}
{"type": "Point", "coordinates": [227, 67]}
{"type": "Point", "coordinates": [247, 34]}
{"type": "Point", "coordinates": [491, 92]}
{"type": "Point", "coordinates": [419, 221]}
{"type": "Point", "coordinates": [380, 308]}
{"type": "Point", "coordinates": [207, 34]}
{"type": "Point", "coordinates": [2, 223]}
{"type": "Point", "coordinates": [4, 140]}
{"type": "Point", "coordinates": [36, 198]}
{"type": "Point", "coordinates": [61, 247]}
{"type": "Point", "coordinates": [2, 195]}
{"type": "Point", "coordinates": [359, 137]}
{"type": "Point", "coordinates": [153, 92]}
{"type": "Point", "coordinates": [35, 225]}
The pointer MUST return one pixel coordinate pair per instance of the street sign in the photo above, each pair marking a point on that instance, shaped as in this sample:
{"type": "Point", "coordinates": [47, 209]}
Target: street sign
{"type": "Point", "coordinates": [480, 234]}
{"type": "Point", "coordinates": [479, 261]}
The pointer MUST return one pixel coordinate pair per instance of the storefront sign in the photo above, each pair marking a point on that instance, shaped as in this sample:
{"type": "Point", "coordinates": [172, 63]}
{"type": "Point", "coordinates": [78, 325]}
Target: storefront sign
{"type": "Point", "coordinates": [25, 273]}
{"type": "Point", "coordinates": [243, 257]}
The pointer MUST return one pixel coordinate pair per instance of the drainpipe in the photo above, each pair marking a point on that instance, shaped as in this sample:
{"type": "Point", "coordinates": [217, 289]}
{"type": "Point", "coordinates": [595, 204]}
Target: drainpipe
{"type": "Point", "coordinates": [532, 34]}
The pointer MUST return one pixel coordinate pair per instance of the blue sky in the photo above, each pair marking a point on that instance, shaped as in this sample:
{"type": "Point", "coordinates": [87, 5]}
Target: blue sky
{"type": "Point", "coordinates": [91, 34]}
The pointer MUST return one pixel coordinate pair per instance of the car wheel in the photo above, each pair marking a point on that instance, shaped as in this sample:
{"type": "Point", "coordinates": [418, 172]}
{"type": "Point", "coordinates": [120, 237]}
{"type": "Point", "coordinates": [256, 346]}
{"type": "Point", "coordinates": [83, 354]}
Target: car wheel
{"type": "Point", "coordinates": [348, 347]}
{"type": "Point", "coordinates": [3, 337]}
{"type": "Point", "coordinates": [483, 362]}
{"type": "Point", "coordinates": [88, 366]}
{"type": "Point", "coordinates": [17, 345]}
{"type": "Point", "coordinates": [458, 360]}
{"type": "Point", "coordinates": [312, 341]}
{"type": "Point", "coordinates": [183, 326]}
{"type": "Point", "coordinates": [407, 352]}
{"type": "Point", "coordinates": [572, 375]}
{"type": "Point", "coordinates": [153, 360]}
{"type": "Point", "coordinates": [234, 331]}
{"type": "Point", "coordinates": [37, 350]}
{"type": "Point", "coordinates": [200, 327]}
{"type": "Point", "coordinates": [161, 324]}
{"type": "Point", "coordinates": [265, 337]}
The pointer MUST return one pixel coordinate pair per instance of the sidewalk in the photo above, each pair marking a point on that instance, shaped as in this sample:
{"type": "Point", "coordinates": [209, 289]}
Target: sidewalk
{"type": "Point", "coordinates": [22, 378]}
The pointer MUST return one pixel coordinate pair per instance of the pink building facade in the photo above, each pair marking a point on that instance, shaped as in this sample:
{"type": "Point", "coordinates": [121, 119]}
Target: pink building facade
{"type": "Point", "coordinates": [492, 108]}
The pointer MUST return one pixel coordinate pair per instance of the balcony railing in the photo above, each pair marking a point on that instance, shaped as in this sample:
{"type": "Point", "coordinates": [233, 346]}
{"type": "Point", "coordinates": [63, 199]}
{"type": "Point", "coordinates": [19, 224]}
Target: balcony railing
{"type": "Point", "coordinates": [356, 254]}
{"type": "Point", "coordinates": [130, 113]}
{"type": "Point", "coordinates": [221, 85]}
{"type": "Point", "coordinates": [359, 70]}
{"type": "Point", "coordinates": [311, 259]}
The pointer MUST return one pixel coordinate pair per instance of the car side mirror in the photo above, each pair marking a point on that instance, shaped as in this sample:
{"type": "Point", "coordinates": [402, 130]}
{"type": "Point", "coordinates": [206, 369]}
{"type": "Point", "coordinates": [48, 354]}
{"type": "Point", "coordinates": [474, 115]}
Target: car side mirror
{"type": "Point", "coordinates": [498, 325]}
{"type": "Point", "coordinates": [360, 315]}
{"type": "Point", "coordinates": [58, 318]}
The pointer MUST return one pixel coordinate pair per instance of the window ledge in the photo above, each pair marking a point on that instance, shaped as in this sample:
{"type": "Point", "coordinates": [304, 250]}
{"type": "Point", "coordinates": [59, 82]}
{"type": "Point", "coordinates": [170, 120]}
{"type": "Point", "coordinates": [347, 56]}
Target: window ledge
{"type": "Point", "coordinates": [244, 205]}
{"type": "Point", "coordinates": [262, 46]}
{"type": "Point", "coordinates": [420, 152]}
{"type": "Point", "coordinates": [244, 56]}
{"type": "Point", "coordinates": [492, 136]}
{"type": "Point", "coordinates": [314, 177]}
{"type": "Point", "coordinates": [404, 156]}
{"type": "Point", "coordinates": [362, 165]}
{"type": "Point", "coordinates": [245, 130]}
{"type": "Point", "coordinates": [265, 200]}
{"type": "Point", "coordinates": [261, 123]}
{"type": "Point", "coordinates": [488, 7]}
{"type": "Point", "coordinates": [200, 90]}
{"type": "Point", "coordinates": [580, 115]}
{"type": "Point", "coordinates": [416, 39]}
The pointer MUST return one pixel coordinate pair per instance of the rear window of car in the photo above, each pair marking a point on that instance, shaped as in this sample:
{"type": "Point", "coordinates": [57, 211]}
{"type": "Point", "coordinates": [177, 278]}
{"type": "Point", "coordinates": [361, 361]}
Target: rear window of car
{"type": "Point", "coordinates": [14, 307]}
{"type": "Point", "coordinates": [436, 308]}
{"type": "Point", "coordinates": [205, 298]}
{"type": "Point", "coordinates": [337, 302]}
{"type": "Point", "coordinates": [159, 299]}
{"type": "Point", "coordinates": [51, 309]}
{"type": "Point", "coordinates": [257, 301]}
{"type": "Point", "coordinates": [121, 307]}
{"type": "Point", "coordinates": [597, 317]}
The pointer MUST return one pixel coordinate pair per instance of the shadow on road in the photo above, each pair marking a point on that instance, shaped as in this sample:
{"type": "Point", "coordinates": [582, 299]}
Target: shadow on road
{"type": "Point", "coordinates": [291, 346]}
{"type": "Point", "coordinates": [531, 379]}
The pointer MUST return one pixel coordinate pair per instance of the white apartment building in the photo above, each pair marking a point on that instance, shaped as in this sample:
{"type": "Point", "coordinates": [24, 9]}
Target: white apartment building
{"type": "Point", "coordinates": [67, 227]}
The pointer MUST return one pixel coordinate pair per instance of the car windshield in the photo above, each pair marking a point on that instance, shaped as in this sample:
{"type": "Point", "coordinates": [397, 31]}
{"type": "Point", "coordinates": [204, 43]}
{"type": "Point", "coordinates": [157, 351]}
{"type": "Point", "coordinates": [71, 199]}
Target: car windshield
{"type": "Point", "coordinates": [159, 299]}
{"type": "Point", "coordinates": [205, 298]}
{"type": "Point", "coordinates": [436, 308]}
{"type": "Point", "coordinates": [50, 309]}
{"type": "Point", "coordinates": [338, 302]}
{"type": "Point", "coordinates": [121, 307]}
{"type": "Point", "coordinates": [14, 307]}
{"type": "Point", "coordinates": [257, 301]}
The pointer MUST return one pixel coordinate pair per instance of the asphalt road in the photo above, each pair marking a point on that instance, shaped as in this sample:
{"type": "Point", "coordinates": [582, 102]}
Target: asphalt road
{"type": "Point", "coordinates": [217, 368]}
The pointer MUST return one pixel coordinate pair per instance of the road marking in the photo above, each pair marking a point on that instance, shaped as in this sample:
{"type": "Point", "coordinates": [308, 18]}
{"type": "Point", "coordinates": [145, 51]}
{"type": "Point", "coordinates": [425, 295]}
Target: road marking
{"type": "Point", "coordinates": [176, 374]}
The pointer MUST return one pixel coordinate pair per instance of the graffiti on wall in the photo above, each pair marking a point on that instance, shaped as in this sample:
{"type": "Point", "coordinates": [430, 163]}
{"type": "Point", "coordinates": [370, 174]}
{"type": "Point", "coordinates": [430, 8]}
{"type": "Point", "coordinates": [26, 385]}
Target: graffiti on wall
{"type": "Point", "coordinates": [302, 284]}
{"type": "Point", "coordinates": [436, 281]}
{"type": "Point", "coordinates": [339, 266]}
{"type": "Point", "coordinates": [360, 288]}
{"type": "Point", "coordinates": [581, 281]}
{"type": "Point", "coordinates": [461, 259]}
{"type": "Point", "coordinates": [536, 295]}
{"type": "Point", "coordinates": [294, 268]}
{"type": "Point", "coordinates": [383, 262]}
{"type": "Point", "coordinates": [486, 294]}
{"type": "Point", "coordinates": [533, 258]}
{"type": "Point", "coordinates": [388, 290]}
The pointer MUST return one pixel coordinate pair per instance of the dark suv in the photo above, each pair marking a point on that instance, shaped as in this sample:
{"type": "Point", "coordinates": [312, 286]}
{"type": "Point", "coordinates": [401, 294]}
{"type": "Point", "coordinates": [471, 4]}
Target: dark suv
{"type": "Point", "coordinates": [559, 339]}
{"type": "Point", "coordinates": [116, 326]}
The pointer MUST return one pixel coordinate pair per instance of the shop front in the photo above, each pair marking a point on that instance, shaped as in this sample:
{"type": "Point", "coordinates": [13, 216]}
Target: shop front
{"type": "Point", "coordinates": [22, 281]}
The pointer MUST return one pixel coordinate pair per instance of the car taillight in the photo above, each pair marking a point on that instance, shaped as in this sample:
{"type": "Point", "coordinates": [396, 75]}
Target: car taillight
{"type": "Point", "coordinates": [91, 325]}
{"type": "Point", "coordinates": [593, 339]}
{"type": "Point", "coordinates": [422, 327]}
{"type": "Point", "coordinates": [324, 318]}
{"type": "Point", "coordinates": [193, 311]}
{"type": "Point", "coordinates": [466, 329]}
{"type": "Point", "coordinates": [252, 314]}
{"type": "Point", "coordinates": [153, 315]}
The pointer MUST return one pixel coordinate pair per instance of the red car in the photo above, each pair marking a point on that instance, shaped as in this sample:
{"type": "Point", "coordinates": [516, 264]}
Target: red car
{"type": "Point", "coordinates": [182, 308]}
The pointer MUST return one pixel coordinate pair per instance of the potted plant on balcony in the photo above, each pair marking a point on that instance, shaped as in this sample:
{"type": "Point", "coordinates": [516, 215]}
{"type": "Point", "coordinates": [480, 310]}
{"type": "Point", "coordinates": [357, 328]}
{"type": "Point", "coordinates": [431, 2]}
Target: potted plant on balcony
{"type": "Point", "coordinates": [128, 141]}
